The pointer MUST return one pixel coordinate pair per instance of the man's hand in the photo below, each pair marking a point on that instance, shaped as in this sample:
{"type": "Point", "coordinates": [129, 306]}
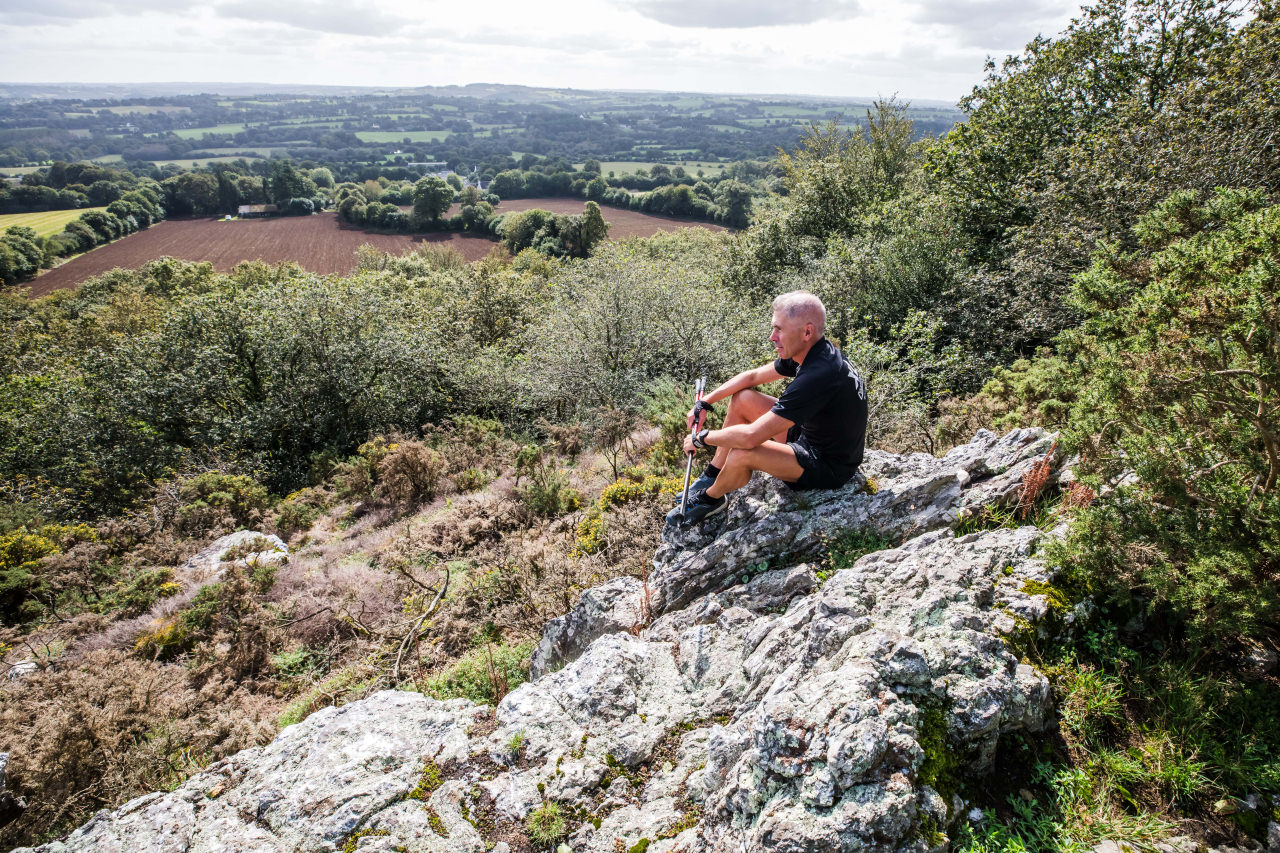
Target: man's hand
{"type": "Point", "coordinates": [698, 413]}
{"type": "Point", "coordinates": [688, 445]}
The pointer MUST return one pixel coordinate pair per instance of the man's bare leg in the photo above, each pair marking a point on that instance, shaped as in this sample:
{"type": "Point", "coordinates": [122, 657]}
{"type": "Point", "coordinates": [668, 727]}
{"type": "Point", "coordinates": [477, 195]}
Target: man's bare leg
{"type": "Point", "coordinates": [745, 407]}
{"type": "Point", "coordinates": [772, 457]}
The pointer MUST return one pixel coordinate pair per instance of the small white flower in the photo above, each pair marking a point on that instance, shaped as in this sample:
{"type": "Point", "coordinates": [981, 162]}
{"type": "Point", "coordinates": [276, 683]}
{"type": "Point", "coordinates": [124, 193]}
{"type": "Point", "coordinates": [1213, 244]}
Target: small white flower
{"type": "Point", "coordinates": [976, 815]}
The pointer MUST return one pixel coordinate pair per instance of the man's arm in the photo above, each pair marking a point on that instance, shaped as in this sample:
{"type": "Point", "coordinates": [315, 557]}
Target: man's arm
{"type": "Point", "coordinates": [747, 436]}
{"type": "Point", "coordinates": [762, 375]}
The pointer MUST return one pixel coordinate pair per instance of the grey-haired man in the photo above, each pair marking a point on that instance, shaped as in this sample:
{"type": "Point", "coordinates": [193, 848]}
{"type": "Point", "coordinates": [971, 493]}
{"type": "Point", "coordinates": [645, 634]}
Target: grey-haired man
{"type": "Point", "coordinates": [811, 437]}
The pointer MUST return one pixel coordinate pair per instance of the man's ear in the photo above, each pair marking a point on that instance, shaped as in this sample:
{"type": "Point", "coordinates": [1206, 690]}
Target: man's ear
{"type": "Point", "coordinates": [808, 331]}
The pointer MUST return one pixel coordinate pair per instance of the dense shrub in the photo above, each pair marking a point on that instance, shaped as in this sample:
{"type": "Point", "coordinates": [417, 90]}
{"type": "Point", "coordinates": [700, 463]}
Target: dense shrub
{"type": "Point", "coordinates": [409, 473]}
{"type": "Point", "coordinates": [105, 730]}
{"type": "Point", "coordinates": [1183, 375]}
{"type": "Point", "coordinates": [485, 674]}
{"type": "Point", "coordinates": [635, 312]}
{"type": "Point", "coordinates": [214, 502]}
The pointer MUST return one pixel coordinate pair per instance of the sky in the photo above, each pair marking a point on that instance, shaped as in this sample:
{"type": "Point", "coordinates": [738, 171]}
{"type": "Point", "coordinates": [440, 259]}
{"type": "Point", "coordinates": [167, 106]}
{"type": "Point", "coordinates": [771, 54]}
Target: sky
{"type": "Point", "coordinates": [925, 49]}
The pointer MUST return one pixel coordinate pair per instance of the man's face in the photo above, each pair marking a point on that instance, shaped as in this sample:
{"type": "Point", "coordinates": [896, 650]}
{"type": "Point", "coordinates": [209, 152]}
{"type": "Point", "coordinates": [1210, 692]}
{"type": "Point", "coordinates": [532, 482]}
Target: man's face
{"type": "Point", "coordinates": [790, 335]}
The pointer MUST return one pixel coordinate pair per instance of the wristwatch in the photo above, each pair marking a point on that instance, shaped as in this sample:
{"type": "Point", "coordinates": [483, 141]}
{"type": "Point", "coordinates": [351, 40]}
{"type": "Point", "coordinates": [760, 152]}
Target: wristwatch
{"type": "Point", "coordinates": [700, 439]}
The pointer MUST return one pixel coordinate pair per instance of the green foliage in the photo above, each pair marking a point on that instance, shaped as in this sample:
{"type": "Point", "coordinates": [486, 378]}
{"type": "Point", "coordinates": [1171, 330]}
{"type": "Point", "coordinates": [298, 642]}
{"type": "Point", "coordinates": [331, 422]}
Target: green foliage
{"type": "Point", "coordinates": [553, 234]}
{"type": "Point", "coordinates": [634, 485]}
{"type": "Point", "coordinates": [428, 781]}
{"type": "Point", "coordinates": [1065, 144]}
{"type": "Point", "coordinates": [141, 590]}
{"type": "Point", "coordinates": [26, 589]}
{"type": "Point", "coordinates": [20, 554]}
{"type": "Point", "coordinates": [1092, 700]}
{"type": "Point", "coordinates": [1182, 356]}
{"type": "Point", "coordinates": [634, 312]}
{"type": "Point", "coordinates": [345, 683]}
{"type": "Point", "coordinates": [352, 842]}
{"type": "Point", "coordinates": [1072, 815]}
{"type": "Point", "coordinates": [941, 767]}
{"type": "Point", "coordinates": [907, 372]}
{"type": "Point", "coordinates": [1030, 392]}
{"type": "Point", "coordinates": [431, 198]}
{"type": "Point", "coordinates": [849, 547]}
{"type": "Point", "coordinates": [297, 663]}
{"type": "Point", "coordinates": [833, 179]}
{"type": "Point", "coordinates": [546, 824]}
{"type": "Point", "coordinates": [299, 510]}
{"type": "Point", "coordinates": [483, 674]}
{"type": "Point", "coordinates": [214, 500]}
{"type": "Point", "coordinates": [666, 405]}
{"type": "Point", "coordinates": [135, 374]}
{"type": "Point", "coordinates": [547, 491]}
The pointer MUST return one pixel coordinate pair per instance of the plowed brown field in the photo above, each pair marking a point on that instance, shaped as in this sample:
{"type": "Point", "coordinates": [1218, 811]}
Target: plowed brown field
{"type": "Point", "coordinates": [320, 243]}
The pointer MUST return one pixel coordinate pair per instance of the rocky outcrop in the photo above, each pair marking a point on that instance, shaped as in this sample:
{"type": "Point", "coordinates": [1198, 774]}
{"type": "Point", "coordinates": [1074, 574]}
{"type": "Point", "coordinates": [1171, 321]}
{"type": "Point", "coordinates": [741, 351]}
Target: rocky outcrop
{"type": "Point", "coordinates": [742, 699]}
{"type": "Point", "coordinates": [243, 548]}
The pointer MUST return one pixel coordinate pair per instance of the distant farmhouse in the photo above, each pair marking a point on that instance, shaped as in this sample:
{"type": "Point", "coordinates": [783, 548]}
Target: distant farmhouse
{"type": "Point", "coordinates": [246, 210]}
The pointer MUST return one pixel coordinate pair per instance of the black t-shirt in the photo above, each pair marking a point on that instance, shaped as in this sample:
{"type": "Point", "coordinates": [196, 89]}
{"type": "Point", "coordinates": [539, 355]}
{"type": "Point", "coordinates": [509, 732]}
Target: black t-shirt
{"type": "Point", "coordinates": [827, 401]}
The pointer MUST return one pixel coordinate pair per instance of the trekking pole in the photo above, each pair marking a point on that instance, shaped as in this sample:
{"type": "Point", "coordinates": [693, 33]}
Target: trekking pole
{"type": "Point", "coordinates": [698, 388]}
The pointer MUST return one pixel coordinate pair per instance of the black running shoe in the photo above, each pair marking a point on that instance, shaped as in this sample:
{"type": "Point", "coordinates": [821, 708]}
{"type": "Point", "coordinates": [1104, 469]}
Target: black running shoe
{"type": "Point", "coordinates": [699, 507]}
{"type": "Point", "coordinates": [699, 485]}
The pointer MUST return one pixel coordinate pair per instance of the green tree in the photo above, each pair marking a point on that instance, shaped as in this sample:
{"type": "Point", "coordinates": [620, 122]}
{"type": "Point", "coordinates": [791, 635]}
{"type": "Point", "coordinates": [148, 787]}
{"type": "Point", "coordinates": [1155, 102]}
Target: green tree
{"type": "Point", "coordinates": [286, 182]}
{"type": "Point", "coordinates": [734, 200]}
{"type": "Point", "coordinates": [1059, 89]}
{"type": "Point", "coordinates": [191, 193]}
{"type": "Point", "coordinates": [322, 177]}
{"type": "Point", "coordinates": [431, 198]}
{"type": "Point", "coordinates": [592, 228]}
{"type": "Point", "coordinates": [596, 188]}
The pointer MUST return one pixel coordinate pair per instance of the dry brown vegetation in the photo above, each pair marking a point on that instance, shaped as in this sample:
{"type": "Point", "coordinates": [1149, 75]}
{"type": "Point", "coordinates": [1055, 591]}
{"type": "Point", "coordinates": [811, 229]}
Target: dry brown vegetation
{"type": "Point", "coordinates": [429, 562]}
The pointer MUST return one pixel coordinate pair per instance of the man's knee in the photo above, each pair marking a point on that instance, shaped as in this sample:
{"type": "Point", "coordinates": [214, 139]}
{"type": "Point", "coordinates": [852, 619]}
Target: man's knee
{"type": "Point", "coordinates": [739, 457]}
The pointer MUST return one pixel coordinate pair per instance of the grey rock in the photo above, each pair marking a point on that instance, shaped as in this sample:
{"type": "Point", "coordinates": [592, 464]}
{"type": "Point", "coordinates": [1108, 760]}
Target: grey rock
{"type": "Point", "coordinates": [760, 710]}
{"type": "Point", "coordinates": [10, 806]}
{"type": "Point", "coordinates": [618, 605]}
{"type": "Point", "coordinates": [206, 566]}
{"type": "Point", "coordinates": [22, 669]}
{"type": "Point", "coordinates": [767, 522]}
{"type": "Point", "coordinates": [1273, 837]}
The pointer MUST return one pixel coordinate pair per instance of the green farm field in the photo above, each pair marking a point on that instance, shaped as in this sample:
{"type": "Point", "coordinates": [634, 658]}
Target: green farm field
{"type": "Point", "coordinates": [399, 135]}
{"type": "Point", "coordinates": [193, 162]}
{"type": "Point", "coordinates": [46, 223]}
{"type": "Point", "coordinates": [197, 132]}
{"type": "Point", "coordinates": [620, 167]}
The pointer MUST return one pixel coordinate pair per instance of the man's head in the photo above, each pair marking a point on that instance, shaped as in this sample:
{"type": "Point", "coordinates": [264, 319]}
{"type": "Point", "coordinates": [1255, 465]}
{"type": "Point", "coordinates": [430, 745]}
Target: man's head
{"type": "Point", "coordinates": [798, 323]}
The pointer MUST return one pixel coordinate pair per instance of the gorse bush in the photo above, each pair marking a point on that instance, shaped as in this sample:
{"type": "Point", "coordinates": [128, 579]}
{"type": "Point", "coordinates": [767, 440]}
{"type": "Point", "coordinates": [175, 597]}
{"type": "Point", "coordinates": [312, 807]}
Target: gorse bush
{"type": "Point", "coordinates": [1183, 358]}
{"type": "Point", "coordinates": [409, 473]}
{"type": "Point", "coordinates": [214, 501]}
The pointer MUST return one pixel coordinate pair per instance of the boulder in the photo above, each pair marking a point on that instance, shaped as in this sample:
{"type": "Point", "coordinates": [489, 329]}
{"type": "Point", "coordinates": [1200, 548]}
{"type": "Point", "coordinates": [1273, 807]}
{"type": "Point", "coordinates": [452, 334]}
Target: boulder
{"type": "Point", "coordinates": [252, 549]}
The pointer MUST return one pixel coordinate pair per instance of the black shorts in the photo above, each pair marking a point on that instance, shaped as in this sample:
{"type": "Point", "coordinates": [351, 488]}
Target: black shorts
{"type": "Point", "coordinates": [817, 473]}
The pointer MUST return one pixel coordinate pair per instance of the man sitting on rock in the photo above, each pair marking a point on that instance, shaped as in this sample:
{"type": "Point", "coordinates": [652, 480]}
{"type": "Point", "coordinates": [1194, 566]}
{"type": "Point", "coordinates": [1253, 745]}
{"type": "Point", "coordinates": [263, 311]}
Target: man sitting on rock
{"type": "Point", "coordinates": [811, 438]}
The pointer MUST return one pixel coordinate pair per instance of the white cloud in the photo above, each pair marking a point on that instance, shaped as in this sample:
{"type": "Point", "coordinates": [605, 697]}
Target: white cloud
{"type": "Point", "coordinates": [921, 49]}
{"type": "Point", "coordinates": [364, 19]}
{"type": "Point", "coordinates": [738, 14]}
{"type": "Point", "coordinates": [24, 12]}
{"type": "Point", "coordinates": [995, 24]}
